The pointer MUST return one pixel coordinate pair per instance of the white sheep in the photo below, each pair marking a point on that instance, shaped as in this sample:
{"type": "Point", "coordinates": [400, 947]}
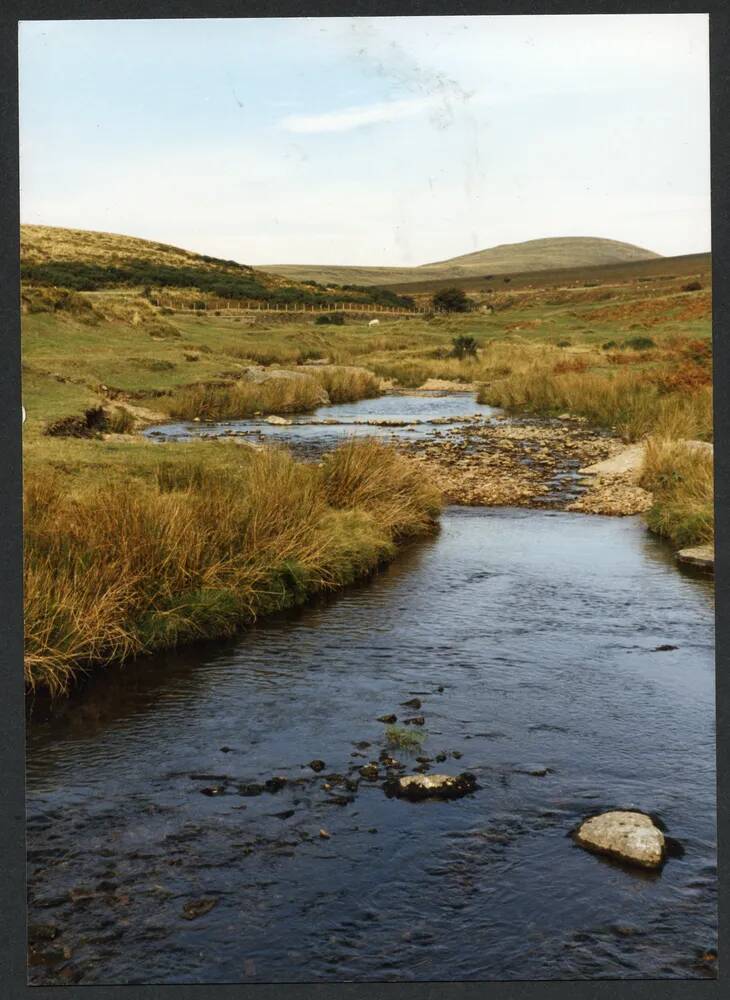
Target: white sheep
{"type": "Point", "coordinates": [374, 322]}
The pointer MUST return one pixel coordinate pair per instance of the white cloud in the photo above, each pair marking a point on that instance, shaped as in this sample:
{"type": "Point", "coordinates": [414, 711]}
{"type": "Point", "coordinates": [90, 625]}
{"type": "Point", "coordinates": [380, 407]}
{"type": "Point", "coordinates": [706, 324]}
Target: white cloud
{"type": "Point", "coordinates": [356, 117]}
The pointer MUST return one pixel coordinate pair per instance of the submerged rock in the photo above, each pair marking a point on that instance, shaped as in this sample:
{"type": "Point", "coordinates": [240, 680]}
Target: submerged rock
{"type": "Point", "coordinates": [415, 720]}
{"type": "Point", "coordinates": [631, 837]}
{"type": "Point", "coordinates": [388, 719]}
{"type": "Point", "coordinates": [413, 703]}
{"type": "Point", "coordinates": [317, 765]}
{"type": "Point", "coordinates": [427, 786]}
{"type": "Point", "coordinates": [700, 556]}
{"type": "Point", "coordinates": [197, 908]}
{"type": "Point", "coordinates": [370, 772]}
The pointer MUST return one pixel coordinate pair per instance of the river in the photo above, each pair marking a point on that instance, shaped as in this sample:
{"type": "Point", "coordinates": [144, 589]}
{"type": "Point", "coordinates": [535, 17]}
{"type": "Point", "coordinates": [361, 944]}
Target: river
{"type": "Point", "coordinates": [529, 636]}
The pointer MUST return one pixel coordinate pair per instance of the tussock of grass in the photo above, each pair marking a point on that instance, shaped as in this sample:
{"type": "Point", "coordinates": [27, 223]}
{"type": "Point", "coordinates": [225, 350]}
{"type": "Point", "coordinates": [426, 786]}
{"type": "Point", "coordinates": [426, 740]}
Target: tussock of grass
{"type": "Point", "coordinates": [625, 400]}
{"type": "Point", "coordinates": [292, 392]}
{"type": "Point", "coordinates": [117, 570]}
{"type": "Point", "coordinates": [370, 475]}
{"type": "Point", "coordinates": [346, 385]}
{"type": "Point", "coordinates": [237, 400]}
{"type": "Point", "coordinates": [680, 476]}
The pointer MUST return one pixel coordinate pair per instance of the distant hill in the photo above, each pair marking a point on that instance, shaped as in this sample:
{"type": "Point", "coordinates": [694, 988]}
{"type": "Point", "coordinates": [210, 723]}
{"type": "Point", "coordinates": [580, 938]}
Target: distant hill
{"type": "Point", "coordinates": [89, 261]}
{"type": "Point", "coordinates": [532, 255]}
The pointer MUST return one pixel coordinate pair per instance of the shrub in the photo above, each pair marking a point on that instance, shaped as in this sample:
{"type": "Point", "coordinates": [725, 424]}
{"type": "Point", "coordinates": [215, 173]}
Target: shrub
{"type": "Point", "coordinates": [609, 345]}
{"type": "Point", "coordinates": [451, 300]}
{"type": "Point", "coordinates": [563, 343]}
{"type": "Point", "coordinates": [331, 319]}
{"type": "Point", "coordinates": [464, 347]}
{"type": "Point", "coordinates": [692, 286]}
{"type": "Point", "coordinates": [639, 343]}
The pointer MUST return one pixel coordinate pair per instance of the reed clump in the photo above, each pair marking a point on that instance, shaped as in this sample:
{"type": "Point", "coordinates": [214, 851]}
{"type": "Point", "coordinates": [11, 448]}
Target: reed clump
{"type": "Point", "coordinates": [679, 473]}
{"type": "Point", "coordinates": [199, 550]}
{"type": "Point", "coordinates": [627, 401]}
{"type": "Point", "coordinates": [238, 400]}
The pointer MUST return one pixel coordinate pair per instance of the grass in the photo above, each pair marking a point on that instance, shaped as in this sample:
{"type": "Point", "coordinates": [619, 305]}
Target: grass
{"type": "Point", "coordinates": [194, 549]}
{"type": "Point", "coordinates": [404, 738]}
{"type": "Point", "coordinates": [635, 402]}
{"type": "Point", "coordinates": [681, 478]}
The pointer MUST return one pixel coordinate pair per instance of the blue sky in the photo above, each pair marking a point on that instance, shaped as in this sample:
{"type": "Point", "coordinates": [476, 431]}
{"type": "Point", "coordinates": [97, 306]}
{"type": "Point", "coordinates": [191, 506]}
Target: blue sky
{"type": "Point", "coordinates": [369, 140]}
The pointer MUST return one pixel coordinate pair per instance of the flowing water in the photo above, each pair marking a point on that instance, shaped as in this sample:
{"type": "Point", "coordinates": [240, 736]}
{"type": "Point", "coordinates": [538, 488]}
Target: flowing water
{"type": "Point", "coordinates": [392, 416]}
{"type": "Point", "coordinates": [529, 636]}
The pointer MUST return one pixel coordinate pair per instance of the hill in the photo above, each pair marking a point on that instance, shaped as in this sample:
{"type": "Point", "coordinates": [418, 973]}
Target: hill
{"type": "Point", "coordinates": [87, 261]}
{"type": "Point", "coordinates": [654, 269]}
{"type": "Point", "coordinates": [532, 255]}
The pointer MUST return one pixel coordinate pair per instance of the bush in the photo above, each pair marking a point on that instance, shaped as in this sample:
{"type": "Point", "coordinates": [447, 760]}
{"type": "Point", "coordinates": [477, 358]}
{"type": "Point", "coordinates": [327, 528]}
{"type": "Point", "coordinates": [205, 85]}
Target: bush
{"type": "Point", "coordinates": [692, 286]}
{"type": "Point", "coordinates": [330, 319]}
{"type": "Point", "coordinates": [464, 347]}
{"type": "Point", "coordinates": [451, 300]}
{"type": "Point", "coordinates": [639, 343]}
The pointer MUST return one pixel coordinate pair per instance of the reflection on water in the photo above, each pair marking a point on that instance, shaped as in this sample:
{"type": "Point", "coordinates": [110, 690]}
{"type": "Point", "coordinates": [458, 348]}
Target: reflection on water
{"type": "Point", "coordinates": [529, 638]}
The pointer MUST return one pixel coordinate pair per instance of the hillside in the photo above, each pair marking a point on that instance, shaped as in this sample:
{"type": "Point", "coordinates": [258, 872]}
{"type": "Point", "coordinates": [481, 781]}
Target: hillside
{"type": "Point", "coordinates": [655, 269]}
{"type": "Point", "coordinates": [86, 261]}
{"type": "Point", "coordinates": [532, 255]}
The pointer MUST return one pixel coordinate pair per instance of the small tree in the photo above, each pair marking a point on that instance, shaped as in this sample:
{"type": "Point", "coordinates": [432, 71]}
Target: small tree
{"type": "Point", "coordinates": [451, 300]}
{"type": "Point", "coordinates": [464, 347]}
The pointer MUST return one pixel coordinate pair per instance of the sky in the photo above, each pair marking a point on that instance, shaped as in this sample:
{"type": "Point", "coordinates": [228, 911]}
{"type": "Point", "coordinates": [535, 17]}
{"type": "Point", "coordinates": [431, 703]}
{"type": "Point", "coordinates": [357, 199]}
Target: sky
{"type": "Point", "coordinates": [384, 140]}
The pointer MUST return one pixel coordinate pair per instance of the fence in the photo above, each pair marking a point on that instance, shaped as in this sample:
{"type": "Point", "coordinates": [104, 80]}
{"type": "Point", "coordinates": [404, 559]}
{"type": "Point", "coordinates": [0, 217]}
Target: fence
{"type": "Point", "coordinates": [232, 307]}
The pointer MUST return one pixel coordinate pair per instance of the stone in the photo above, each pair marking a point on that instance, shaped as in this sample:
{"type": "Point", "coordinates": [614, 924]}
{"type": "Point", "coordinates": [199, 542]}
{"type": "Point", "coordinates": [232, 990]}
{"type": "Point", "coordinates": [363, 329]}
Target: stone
{"type": "Point", "coordinates": [274, 784]}
{"type": "Point", "coordinates": [699, 556]}
{"type": "Point", "coordinates": [198, 908]}
{"type": "Point", "coordinates": [413, 703]}
{"type": "Point", "coordinates": [388, 719]}
{"type": "Point", "coordinates": [664, 648]}
{"type": "Point", "coordinates": [317, 765]}
{"type": "Point", "coordinates": [279, 421]}
{"type": "Point", "coordinates": [434, 786]}
{"type": "Point", "coordinates": [628, 836]}
{"type": "Point", "coordinates": [415, 720]}
{"type": "Point", "coordinates": [370, 772]}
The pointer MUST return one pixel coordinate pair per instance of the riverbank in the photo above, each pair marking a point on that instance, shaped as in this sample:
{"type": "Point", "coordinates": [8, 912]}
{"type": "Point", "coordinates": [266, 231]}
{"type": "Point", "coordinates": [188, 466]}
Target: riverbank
{"type": "Point", "coordinates": [200, 544]}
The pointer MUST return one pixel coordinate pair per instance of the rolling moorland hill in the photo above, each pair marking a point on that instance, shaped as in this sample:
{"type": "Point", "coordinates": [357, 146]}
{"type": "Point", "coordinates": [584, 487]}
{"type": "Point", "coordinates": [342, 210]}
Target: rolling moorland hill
{"type": "Point", "coordinates": [532, 255]}
{"type": "Point", "coordinates": [86, 261]}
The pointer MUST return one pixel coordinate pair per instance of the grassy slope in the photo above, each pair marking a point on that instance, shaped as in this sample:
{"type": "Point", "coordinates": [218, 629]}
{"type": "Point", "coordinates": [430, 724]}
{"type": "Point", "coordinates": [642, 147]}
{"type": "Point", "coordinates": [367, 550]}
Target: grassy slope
{"type": "Point", "coordinates": [532, 255]}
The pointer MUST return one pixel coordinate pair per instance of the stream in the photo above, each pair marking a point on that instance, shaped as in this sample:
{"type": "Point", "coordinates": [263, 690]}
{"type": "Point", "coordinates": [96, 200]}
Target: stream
{"type": "Point", "coordinates": [159, 855]}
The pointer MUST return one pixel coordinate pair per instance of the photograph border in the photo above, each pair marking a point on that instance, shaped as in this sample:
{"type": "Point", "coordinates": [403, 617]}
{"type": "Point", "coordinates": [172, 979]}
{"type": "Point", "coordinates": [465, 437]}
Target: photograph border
{"type": "Point", "coordinates": [12, 731]}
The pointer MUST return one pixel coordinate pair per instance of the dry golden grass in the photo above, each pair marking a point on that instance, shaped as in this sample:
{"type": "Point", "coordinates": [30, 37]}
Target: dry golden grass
{"type": "Point", "coordinates": [680, 475]}
{"type": "Point", "coordinates": [117, 570]}
{"type": "Point", "coordinates": [621, 399]}
{"type": "Point", "coordinates": [237, 400]}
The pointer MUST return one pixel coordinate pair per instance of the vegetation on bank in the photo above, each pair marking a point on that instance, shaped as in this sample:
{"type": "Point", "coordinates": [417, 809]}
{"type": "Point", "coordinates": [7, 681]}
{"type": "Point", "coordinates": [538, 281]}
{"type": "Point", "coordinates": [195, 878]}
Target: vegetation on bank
{"type": "Point", "coordinates": [198, 547]}
{"type": "Point", "coordinates": [291, 393]}
{"type": "Point", "coordinates": [679, 474]}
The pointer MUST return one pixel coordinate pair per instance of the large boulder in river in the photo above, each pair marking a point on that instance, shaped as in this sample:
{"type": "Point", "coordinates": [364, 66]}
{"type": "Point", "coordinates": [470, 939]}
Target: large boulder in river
{"type": "Point", "coordinates": [431, 786]}
{"type": "Point", "coordinates": [632, 837]}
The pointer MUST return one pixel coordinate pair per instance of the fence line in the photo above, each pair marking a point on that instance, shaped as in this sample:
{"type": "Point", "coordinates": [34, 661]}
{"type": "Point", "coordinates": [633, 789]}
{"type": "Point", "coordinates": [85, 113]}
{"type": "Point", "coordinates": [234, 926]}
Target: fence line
{"type": "Point", "coordinates": [232, 306]}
